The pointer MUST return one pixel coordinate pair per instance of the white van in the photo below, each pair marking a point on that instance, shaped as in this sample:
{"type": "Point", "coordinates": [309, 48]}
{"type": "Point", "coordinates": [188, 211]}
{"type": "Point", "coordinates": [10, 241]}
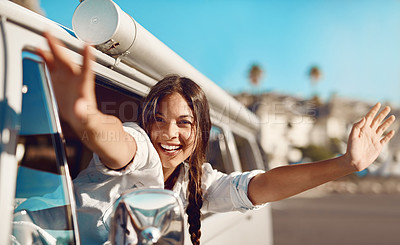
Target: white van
{"type": "Point", "coordinates": [39, 153]}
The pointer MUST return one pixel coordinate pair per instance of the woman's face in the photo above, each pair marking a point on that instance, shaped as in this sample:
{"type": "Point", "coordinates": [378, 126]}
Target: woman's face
{"type": "Point", "coordinates": [173, 131]}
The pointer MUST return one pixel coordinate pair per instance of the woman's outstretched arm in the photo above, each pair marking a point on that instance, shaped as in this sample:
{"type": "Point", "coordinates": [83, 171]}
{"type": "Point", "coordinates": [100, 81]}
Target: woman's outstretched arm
{"type": "Point", "coordinates": [74, 88]}
{"type": "Point", "coordinates": [364, 145]}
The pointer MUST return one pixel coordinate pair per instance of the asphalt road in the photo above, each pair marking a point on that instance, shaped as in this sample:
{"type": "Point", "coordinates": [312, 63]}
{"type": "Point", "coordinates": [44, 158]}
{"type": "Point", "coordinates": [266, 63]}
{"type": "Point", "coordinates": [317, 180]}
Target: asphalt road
{"type": "Point", "coordinates": [337, 219]}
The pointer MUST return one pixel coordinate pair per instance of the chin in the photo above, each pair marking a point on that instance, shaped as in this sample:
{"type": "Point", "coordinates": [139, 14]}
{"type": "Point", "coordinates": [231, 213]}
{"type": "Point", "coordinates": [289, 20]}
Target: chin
{"type": "Point", "coordinates": [169, 164]}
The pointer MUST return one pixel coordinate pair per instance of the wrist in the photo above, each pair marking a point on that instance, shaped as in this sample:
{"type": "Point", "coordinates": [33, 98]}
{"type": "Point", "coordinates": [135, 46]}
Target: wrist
{"type": "Point", "coordinates": [84, 118]}
{"type": "Point", "coordinates": [349, 164]}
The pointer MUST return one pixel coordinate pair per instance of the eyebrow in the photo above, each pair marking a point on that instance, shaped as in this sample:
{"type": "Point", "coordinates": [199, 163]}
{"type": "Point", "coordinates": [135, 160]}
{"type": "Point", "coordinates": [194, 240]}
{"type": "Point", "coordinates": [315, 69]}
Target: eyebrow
{"type": "Point", "coordinates": [181, 116]}
{"type": "Point", "coordinates": [186, 116]}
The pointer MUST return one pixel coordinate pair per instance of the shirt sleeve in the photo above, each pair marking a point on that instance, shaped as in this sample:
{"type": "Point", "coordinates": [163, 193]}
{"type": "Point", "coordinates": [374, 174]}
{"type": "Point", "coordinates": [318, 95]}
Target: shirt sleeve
{"type": "Point", "coordinates": [227, 192]}
{"type": "Point", "coordinates": [145, 157]}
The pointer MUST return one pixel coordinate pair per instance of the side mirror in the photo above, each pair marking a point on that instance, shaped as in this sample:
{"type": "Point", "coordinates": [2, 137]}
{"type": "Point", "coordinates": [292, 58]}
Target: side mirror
{"type": "Point", "coordinates": [147, 216]}
{"type": "Point", "coordinates": [25, 231]}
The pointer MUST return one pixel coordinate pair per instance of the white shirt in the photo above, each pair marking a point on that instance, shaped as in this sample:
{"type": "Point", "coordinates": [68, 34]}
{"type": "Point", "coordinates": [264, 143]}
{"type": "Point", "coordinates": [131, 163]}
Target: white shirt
{"type": "Point", "coordinates": [221, 192]}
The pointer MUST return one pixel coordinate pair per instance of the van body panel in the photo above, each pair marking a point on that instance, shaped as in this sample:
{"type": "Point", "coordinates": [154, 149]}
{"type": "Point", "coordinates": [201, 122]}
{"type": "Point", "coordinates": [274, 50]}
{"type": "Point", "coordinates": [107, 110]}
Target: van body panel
{"type": "Point", "coordinates": [238, 228]}
{"type": "Point", "coordinates": [10, 107]}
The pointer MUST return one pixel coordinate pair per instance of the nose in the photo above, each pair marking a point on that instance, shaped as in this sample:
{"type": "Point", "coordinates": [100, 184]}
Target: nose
{"type": "Point", "coordinates": [170, 131]}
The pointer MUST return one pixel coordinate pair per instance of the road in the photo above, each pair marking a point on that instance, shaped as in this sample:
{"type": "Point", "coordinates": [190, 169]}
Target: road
{"type": "Point", "coordinates": [337, 219]}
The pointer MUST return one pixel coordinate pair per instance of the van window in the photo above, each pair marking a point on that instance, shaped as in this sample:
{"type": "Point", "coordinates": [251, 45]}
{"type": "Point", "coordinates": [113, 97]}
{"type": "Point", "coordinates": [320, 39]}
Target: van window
{"type": "Point", "coordinates": [116, 101]}
{"type": "Point", "coordinates": [42, 209]}
{"type": "Point", "coordinates": [218, 154]}
{"type": "Point", "coordinates": [246, 154]}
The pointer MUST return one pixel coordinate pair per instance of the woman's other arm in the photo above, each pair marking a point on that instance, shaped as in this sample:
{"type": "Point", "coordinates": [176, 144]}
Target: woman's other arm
{"type": "Point", "coordinates": [74, 88]}
{"type": "Point", "coordinates": [364, 145]}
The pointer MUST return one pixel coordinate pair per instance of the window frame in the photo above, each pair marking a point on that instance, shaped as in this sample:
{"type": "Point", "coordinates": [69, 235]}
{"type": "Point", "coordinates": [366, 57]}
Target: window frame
{"type": "Point", "coordinates": [252, 141]}
{"type": "Point", "coordinates": [224, 151]}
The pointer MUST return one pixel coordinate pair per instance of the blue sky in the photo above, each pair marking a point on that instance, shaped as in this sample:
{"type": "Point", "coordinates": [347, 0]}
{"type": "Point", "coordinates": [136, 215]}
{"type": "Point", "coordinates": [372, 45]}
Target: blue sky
{"type": "Point", "coordinates": [356, 43]}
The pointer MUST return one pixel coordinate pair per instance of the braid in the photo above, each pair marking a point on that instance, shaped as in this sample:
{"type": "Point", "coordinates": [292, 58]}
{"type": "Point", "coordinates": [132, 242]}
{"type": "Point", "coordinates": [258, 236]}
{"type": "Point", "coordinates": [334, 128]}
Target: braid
{"type": "Point", "coordinates": [170, 182]}
{"type": "Point", "coordinates": [195, 203]}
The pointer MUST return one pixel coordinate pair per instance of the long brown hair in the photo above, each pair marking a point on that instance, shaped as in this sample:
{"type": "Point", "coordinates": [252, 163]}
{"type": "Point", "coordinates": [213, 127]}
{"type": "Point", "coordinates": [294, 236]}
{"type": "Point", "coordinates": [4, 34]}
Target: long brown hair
{"type": "Point", "coordinates": [196, 99]}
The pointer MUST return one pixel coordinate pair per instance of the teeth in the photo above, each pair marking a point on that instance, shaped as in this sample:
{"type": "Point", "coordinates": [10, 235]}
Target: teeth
{"type": "Point", "coordinates": [170, 147]}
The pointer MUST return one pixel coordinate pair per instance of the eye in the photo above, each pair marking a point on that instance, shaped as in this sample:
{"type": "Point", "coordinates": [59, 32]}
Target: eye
{"type": "Point", "coordinates": [159, 119]}
{"type": "Point", "coordinates": [185, 123]}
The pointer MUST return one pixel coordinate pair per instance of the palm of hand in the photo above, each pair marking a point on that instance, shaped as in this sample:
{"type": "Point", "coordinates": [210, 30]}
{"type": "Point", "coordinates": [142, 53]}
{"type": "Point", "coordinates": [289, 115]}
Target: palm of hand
{"type": "Point", "coordinates": [366, 139]}
{"type": "Point", "coordinates": [75, 93]}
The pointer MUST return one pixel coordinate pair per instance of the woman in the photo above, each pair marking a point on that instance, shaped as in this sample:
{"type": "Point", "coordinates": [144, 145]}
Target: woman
{"type": "Point", "coordinates": [176, 119]}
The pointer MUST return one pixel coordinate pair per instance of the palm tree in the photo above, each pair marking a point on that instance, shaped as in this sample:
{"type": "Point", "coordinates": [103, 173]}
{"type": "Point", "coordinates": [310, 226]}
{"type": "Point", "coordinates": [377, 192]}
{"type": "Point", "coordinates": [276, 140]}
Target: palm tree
{"type": "Point", "coordinates": [255, 74]}
{"type": "Point", "coordinates": [315, 74]}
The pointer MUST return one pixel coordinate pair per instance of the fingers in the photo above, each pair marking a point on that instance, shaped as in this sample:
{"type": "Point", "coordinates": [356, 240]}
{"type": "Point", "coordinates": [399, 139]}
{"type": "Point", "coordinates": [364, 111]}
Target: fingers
{"type": "Point", "coordinates": [86, 64]}
{"type": "Point", "coordinates": [47, 57]}
{"type": "Point", "coordinates": [387, 137]}
{"type": "Point", "coordinates": [55, 54]}
{"type": "Point", "coordinates": [371, 114]}
{"type": "Point", "coordinates": [379, 123]}
{"type": "Point", "coordinates": [58, 58]}
{"type": "Point", "coordinates": [55, 48]}
{"type": "Point", "coordinates": [360, 123]}
{"type": "Point", "coordinates": [378, 119]}
{"type": "Point", "coordinates": [355, 131]}
{"type": "Point", "coordinates": [385, 125]}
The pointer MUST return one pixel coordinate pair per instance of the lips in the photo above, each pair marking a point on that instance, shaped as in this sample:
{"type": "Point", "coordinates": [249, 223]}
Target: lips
{"type": "Point", "coordinates": [170, 148]}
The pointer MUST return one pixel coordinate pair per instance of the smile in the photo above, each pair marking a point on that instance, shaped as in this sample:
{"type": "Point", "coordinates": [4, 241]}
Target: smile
{"type": "Point", "coordinates": [170, 148]}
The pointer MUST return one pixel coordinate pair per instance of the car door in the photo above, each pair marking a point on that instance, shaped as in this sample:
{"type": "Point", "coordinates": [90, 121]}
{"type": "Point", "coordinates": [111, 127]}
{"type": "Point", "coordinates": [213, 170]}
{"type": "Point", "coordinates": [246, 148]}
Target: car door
{"type": "Point", "coordinates": [235, 152]}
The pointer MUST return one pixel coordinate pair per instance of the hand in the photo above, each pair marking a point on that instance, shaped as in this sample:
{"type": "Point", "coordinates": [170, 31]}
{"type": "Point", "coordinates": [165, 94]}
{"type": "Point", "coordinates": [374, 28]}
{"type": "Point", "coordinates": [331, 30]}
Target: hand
{"type": "Point", "coordinates": [367, 137]}
{"type": "Point", "coordinates": [73, 86]}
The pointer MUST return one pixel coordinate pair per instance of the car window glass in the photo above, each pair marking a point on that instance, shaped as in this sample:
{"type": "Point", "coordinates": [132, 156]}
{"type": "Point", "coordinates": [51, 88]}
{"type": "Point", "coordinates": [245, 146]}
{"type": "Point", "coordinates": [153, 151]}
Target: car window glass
{"type": "Point", "coordinates": [118, 102]}
{"type": "Point", "coordinates": [218, 154]}
{"type": "Point", "coordinates": [42, 209]}
{"type": "Point", "coordinates": [246, 154]}
{"type": "Point", "coordinates": [35, 118]}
